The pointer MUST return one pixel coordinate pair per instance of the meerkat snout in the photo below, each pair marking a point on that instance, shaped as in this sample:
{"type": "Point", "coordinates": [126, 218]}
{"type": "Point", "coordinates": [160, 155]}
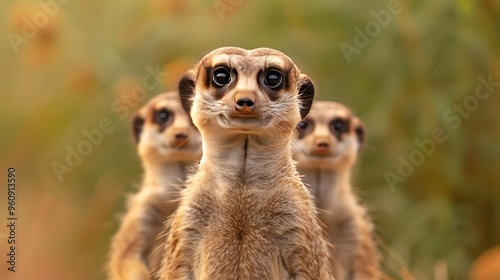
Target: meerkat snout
{"type": "Point", "coordinates": [181, 139]}
{"type": "Point", "coordinates": [322, 147]}
{"type": "Point", "coordinates": [245, 102]}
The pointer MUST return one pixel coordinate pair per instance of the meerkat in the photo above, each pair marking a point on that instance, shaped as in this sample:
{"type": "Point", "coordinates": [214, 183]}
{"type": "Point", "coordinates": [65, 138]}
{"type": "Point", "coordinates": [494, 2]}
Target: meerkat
{"type": "Point", "coordinates": [330, 139]}
{"type": "Point", "coordinates": [245, 214]}
{"type": "Point", "coordinates": [168, 145]}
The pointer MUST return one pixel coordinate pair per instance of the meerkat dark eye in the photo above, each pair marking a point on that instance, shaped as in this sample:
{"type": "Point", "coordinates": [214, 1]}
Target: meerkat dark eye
{"type": "Point", "coordinates": [338, 125]}
{"type": "Point", "coordinates": [221, 77]}
{"type": "Point", "coordinates": [273, 79]}
{"type": "Point", "coordinates": [163, 116]}
{"type": "Point", "coordinates": [302, 125]}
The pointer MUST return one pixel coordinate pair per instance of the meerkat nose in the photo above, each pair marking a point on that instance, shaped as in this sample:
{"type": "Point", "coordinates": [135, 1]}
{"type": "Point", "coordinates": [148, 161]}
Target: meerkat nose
{"type": "Point", "coordinates": [245, 105]}
{"type": "Point", "coordinates": [322, 149]}
{"type": "Point", "coordinates": [323, 145]}
{"type": "Point", "coordinates": [180, 140]}
{"type": "Point", "coordinates": [181, 136]}
{"type": "Point", "coordinates": [244, 102]}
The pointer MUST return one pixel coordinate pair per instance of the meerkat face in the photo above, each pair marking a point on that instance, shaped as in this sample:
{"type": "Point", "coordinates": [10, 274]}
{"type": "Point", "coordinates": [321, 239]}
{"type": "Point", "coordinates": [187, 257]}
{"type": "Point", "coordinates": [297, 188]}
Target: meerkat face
{"type": "Point", "coordinates": [238, 91]}
{"type": "Point", "coordinates": [165, 133]}
{"type": "Point", "coordinates": [329, 137]}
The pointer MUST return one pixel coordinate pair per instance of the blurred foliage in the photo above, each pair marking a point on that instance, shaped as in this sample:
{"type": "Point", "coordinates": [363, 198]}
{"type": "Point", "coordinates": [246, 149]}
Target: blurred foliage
{"type": "Point", "coordinates": [90, 55]}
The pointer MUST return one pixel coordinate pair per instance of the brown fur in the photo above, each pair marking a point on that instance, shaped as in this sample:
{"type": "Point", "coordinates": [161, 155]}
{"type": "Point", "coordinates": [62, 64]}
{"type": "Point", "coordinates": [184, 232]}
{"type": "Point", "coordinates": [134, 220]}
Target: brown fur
{"type": "Point", "coordinates": [330, 141]}
{"type": "Point", "coordinates": [245, 214]}
{"type": "Point", "coordinates": [137, 250]}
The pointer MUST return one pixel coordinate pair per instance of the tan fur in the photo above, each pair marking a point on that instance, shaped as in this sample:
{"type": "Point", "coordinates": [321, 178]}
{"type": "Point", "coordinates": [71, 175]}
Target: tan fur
{"type": "Point", "coordinates": [245, 214]}
{"type": "Point", "coordinates": [326, 161]}
{"type": "Point", "coordinates": [137, 249]}
{"type": "Point", "coordinates": [486, 266]}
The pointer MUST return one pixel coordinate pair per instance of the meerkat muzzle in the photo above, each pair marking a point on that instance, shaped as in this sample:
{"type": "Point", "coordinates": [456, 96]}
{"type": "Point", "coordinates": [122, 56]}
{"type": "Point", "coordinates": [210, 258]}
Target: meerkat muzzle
{"type": "Point", "coordinates": [322, 146]}
{"type": "Point", "coordinates": [322, 149]}
{"type": "Point", "coordinates": [179, 137]}
{"type": "Point", "coordinates": [245, 102]}
{"type": "Point", "coordinates": [181, 140]}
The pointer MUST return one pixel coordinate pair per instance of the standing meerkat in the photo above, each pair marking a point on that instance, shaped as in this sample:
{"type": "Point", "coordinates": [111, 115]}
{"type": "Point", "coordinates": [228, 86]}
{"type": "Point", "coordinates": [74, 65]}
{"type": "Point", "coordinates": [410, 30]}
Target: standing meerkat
{"type": "Point", "coordinates": [168, 145]}
{"type": "Point", "coordinates": [330, 139]}
{"type": "Point", "coordinates": [245, 214]}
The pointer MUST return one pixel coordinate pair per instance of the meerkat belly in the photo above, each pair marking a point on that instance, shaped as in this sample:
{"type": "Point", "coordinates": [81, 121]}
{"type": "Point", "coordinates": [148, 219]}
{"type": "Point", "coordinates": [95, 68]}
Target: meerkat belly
{"type": "Point", "coordinates": [243, 238]}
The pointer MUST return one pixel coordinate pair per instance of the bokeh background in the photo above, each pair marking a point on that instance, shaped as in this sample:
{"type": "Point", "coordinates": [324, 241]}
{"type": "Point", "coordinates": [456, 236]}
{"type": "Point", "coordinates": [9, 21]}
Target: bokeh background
{"type": "Point", "coordinates": [67, 65]}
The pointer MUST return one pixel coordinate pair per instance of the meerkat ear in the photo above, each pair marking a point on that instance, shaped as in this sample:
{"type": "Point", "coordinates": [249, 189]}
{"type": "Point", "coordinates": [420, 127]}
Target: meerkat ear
{"type": "Point", "coordinates": [306, 95]}
{"type": "Point", "coordinates": [137, 127]}
{"type": "Point", "coordinates": [360, 135]}
{"type": "Point", "coordinates": [186, 90]}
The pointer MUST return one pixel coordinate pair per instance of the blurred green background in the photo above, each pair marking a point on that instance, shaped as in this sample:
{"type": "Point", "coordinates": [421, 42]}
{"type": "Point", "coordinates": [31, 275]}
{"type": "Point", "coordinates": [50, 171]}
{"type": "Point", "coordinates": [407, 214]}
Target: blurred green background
{"type": "Point", "coordinates": [66, 66]}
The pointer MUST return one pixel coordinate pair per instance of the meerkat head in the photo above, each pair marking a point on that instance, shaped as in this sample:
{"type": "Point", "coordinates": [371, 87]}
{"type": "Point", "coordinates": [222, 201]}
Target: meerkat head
{"type": "Point", "coordinates": [164, 132]}
{"type": "Point", "coordinates": [329, 137]}
{"type": "Point", "coordinates": [234, 91]}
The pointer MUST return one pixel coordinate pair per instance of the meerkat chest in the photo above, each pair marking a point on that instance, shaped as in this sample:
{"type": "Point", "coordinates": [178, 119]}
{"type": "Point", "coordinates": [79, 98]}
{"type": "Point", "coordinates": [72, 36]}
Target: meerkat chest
{"type": "Point", "coordinates": [243, 232]}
